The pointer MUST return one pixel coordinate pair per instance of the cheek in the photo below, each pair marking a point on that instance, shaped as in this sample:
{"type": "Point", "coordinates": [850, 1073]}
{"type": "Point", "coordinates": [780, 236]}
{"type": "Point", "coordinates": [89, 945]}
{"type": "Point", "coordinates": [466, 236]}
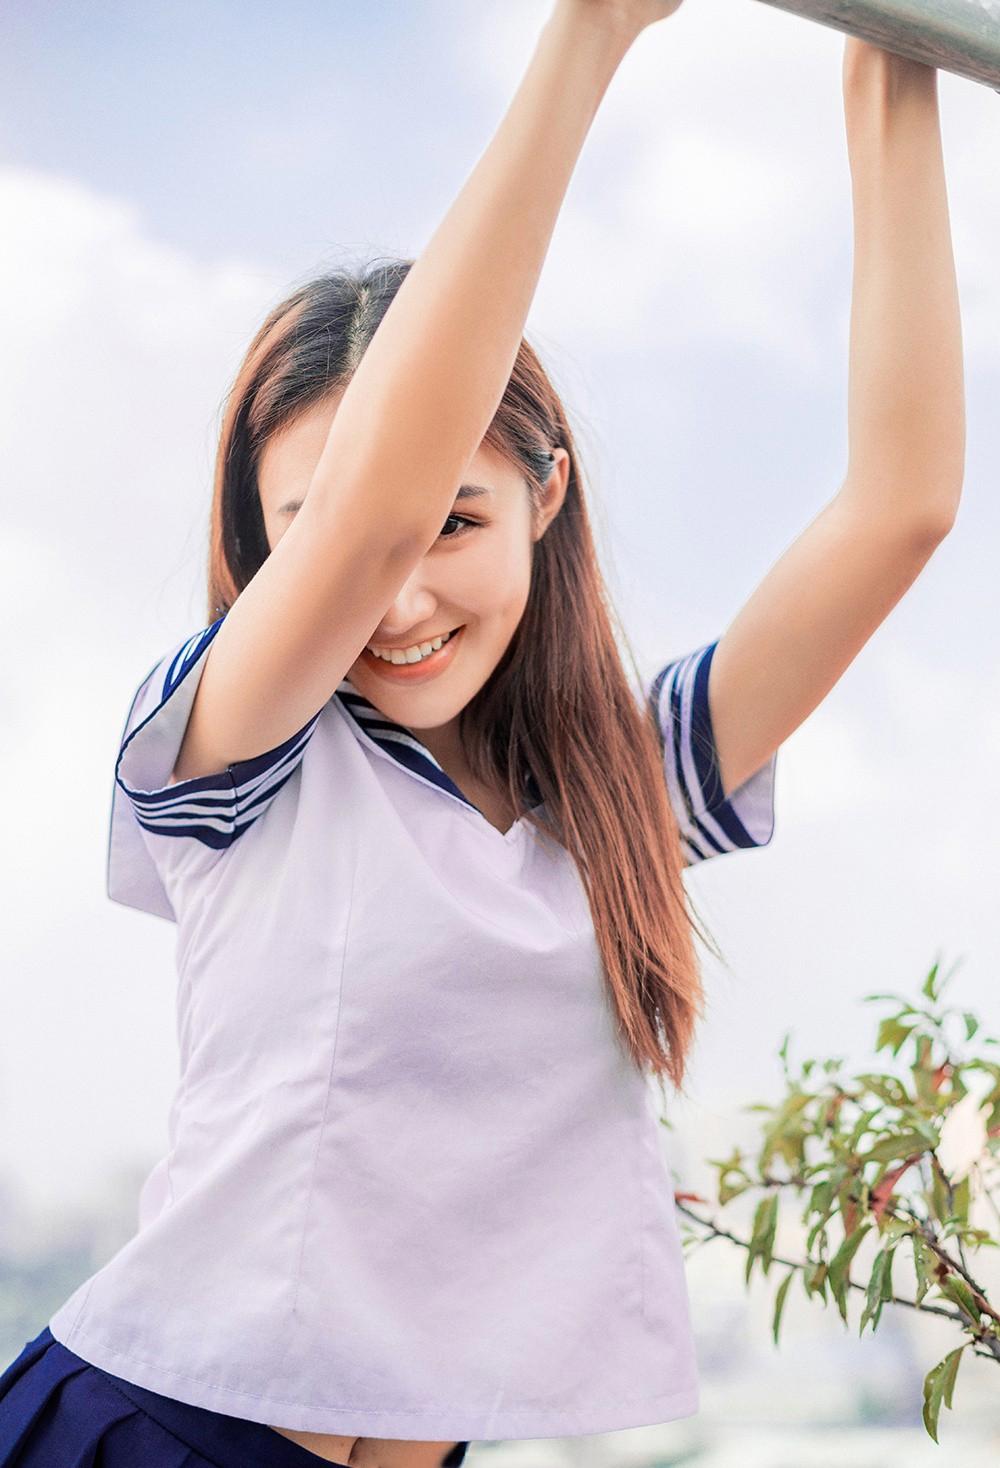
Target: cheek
{"type": "Point", "coordinates": [497, 576]}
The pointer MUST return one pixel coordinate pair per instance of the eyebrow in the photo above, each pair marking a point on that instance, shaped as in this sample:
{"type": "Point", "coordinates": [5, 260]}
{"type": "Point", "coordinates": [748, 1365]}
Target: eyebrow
{"type": "Point", "coordinates": [465, 492]}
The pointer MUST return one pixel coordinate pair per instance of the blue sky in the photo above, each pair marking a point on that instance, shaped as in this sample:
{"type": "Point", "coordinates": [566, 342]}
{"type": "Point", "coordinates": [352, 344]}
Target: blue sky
{"type": "Point", "coordinates": [168, 174]}
{"type": "Point", "coordinates": [242, 127]}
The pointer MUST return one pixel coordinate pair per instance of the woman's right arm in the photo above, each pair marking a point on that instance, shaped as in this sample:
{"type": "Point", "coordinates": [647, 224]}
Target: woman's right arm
{"type": "Point", "coordinates": [416, 410]}
{"type": "Point", "coordinates": [430, 383]}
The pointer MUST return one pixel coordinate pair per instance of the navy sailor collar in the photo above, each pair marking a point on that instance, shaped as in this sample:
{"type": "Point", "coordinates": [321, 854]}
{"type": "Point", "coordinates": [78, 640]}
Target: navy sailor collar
{"type": "Point", "coordinates": [404, 746]}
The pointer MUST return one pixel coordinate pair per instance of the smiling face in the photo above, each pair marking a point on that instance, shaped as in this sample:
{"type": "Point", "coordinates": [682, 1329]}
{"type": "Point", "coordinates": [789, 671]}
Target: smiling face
{"type": "Point", "coordinates": [475, 577]}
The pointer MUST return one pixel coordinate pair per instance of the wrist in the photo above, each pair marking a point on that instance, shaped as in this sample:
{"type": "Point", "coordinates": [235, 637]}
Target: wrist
{"type": "Point", "coordinates": [871, 71]}
{"type": "Point", "coordinates": [599, 22]}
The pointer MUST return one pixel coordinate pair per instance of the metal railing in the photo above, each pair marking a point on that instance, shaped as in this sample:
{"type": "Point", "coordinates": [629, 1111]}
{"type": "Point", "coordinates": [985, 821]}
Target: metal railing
{"type": "Point", "coordinates": [961, 36]}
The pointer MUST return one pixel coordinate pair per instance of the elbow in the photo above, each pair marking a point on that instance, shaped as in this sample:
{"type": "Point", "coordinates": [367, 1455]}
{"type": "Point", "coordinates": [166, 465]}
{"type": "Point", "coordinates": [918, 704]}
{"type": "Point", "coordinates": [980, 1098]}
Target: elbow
{"type": "Point", "coordinates": [930, 529]}
{"type": "Point", "coordinates": [939, 519]}
{"type": "Point", "coordinates": [921, 518]}
{"type": "Point", "coordinates": [943, 489]}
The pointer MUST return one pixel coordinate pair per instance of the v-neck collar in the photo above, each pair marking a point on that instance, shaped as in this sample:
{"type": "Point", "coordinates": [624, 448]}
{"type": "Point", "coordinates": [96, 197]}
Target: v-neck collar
{"type": "Point", "coordinates": [402, 745]}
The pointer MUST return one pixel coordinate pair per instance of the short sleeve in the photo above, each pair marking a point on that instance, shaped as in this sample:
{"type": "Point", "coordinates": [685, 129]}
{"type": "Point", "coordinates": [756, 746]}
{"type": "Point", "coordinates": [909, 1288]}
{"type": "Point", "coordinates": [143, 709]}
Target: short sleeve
{"type": "Point", "coordinates": [159, 830]}
{"type": "Point", "coordinates": [709, 824]}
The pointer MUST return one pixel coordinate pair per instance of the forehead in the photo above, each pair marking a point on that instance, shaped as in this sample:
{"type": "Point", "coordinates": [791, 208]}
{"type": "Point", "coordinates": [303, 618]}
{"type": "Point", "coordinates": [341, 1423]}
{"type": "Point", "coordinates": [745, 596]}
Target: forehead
{"type": "Point", "coordinates": [286, 463]}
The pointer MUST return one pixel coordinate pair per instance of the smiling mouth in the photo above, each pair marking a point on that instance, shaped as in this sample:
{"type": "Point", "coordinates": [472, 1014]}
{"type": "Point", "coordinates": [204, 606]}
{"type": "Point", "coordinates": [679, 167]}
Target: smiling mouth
{"type": "Point", "coordinates": [416, 653]}
{"type": "Point", "coordinates": [425, 666]}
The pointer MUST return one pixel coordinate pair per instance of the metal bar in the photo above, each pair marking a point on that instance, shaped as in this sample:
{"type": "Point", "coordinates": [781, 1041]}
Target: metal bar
{"type": "Point", "coordinates": [961, 36]}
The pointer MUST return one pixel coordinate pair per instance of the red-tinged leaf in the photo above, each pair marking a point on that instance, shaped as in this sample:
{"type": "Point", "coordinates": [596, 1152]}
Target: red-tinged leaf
{"type": "Point", "coordinates": [883, 1189]}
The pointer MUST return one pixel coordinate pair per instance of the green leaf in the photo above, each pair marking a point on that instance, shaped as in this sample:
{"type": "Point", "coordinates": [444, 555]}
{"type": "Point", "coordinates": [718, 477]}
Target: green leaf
{"type": "Point", "coordinates": [820, 1198]}
{"type": "Point", "coordinates": [979, 1238]}
{"type": "Point", "coordinates": [890, 1254]}
{"type": "Point", "coordinates": [765, 1222]}
{"type": "Point", "coordinates": [814, 1280]}
{"type": "Point", "coordinates": [892, 1033]}
{"type": "Point", "coordinates": [939, 1385]}
{"type": "Point", "coordinates": [971, 1024]}
{"type": "Point", "coordinates": [734, 1160]}
{"type": "Point", "coordinates": [923, 1262]}
{"type": "Point", "coordinates": [887, 1087]}
{"type": "Point", "coordinates": [894, 1229]}
{"type": "Point", "coordinates": [961, 1199]}
{"type": "Point", "coordinates": [957, 1290]}
{"type": "Point", "coordinates": [819, 1227]}
{"type": "Point", "coordinates": [783, 1136]}
{"type": "Point", "coordinates": [924, 1126]}
{"type": "Point", "coordinates": [862, 1126]}
{"type": "Point", "coordinates": [928, 989]}
{"type": "Point", "coordinates": [874, 1292]}
{"type": "Point", "coordinates": [939, 1202]}
{"type": "Point", "coordinates": [728, 1190]}
{"type": "Point", "coordinates": [838, 1273]}
{"type": "Point", "coordinates": [923, 1072]}
{"type": "Point", "coordinates": [779, 1302]}
{"type": "Point", "coordinates": [895, 1147]}
{"type": "Point", "coordinates": [879, 1288]}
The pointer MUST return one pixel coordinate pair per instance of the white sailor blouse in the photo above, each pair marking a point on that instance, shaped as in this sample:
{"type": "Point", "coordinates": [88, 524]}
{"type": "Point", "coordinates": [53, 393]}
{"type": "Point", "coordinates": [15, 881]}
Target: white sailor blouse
{"type": "Point", "coordinates": [414, 1185]}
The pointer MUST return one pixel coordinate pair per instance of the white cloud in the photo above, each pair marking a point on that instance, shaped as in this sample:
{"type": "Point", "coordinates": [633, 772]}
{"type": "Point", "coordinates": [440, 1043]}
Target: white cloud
{"type": "Point", "coordinates": [712, 196]}
{"type": "Point", "coordinates": [115, 354]}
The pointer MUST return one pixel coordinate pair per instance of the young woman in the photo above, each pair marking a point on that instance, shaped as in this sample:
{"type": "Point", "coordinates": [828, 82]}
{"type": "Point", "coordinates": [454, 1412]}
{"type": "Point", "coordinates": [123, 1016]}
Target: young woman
{"type": "Point", "coordinates": [423, 840]}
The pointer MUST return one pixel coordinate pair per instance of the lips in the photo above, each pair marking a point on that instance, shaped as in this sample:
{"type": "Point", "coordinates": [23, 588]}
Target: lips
{"type": "Point", "coordinates": [428, 667]}
{"type": "Point", "coordinates": [379, 648]}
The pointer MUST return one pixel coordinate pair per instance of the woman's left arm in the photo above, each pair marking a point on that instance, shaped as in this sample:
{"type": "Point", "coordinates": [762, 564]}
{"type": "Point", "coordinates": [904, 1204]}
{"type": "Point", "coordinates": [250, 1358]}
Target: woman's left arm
{"type": "Point", "coordinates": [822, 600]}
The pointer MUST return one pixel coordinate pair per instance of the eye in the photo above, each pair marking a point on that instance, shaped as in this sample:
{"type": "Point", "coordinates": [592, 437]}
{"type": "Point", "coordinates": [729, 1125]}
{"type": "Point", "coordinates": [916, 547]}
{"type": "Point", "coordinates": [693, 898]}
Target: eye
{"type": "Point", "coordinates": [465, 525]}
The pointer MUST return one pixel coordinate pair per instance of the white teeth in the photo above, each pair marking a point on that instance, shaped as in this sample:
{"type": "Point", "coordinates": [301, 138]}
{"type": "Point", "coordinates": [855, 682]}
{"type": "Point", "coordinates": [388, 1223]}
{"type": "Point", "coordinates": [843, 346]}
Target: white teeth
{"type": "Point", "coordinates": [410, 654]}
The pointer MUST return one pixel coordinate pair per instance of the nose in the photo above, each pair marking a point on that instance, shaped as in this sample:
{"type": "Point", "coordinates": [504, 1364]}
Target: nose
{"type": "Point", "coordinates": [413, 606]}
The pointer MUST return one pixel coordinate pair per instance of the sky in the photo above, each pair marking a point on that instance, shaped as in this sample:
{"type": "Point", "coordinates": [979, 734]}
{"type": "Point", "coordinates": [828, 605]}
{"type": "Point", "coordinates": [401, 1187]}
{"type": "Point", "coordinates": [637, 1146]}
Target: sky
{"type": "Point", "coordinates": [169, 174]}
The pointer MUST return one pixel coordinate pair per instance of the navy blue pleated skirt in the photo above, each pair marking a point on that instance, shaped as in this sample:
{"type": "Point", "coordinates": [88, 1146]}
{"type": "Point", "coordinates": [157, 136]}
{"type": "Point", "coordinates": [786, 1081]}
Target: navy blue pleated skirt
{"type": "Point", "coordinates": [59, 1411]}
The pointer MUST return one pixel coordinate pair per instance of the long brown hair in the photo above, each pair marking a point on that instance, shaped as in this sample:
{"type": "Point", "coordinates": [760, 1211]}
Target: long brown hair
{"type": "Point", "coordinates": [558, 708]}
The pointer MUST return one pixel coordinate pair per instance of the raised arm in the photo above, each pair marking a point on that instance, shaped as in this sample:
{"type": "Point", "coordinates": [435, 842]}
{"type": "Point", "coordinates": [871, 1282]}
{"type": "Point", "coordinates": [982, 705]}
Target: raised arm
{"type": "Point", "coordinates": [820, 603]}
{"type": "Point", "coordinates": [432, 379]}
{"type": "Point", "coordinates": [906, 407]}
{"type": "Point", "coordinates": [416, 409]}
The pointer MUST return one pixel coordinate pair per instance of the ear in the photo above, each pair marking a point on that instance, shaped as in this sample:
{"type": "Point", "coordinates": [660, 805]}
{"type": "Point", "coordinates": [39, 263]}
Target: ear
{"type": "Point", "coordinates": [553, 493]}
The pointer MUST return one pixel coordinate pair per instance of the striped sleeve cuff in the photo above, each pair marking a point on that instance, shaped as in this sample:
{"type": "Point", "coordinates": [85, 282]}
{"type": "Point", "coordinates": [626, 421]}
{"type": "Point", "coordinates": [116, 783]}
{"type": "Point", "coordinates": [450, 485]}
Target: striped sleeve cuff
{"type": "Point", "coordinates": [709, 824]}
{"type": "Point", "coordinates": [212, 809]}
